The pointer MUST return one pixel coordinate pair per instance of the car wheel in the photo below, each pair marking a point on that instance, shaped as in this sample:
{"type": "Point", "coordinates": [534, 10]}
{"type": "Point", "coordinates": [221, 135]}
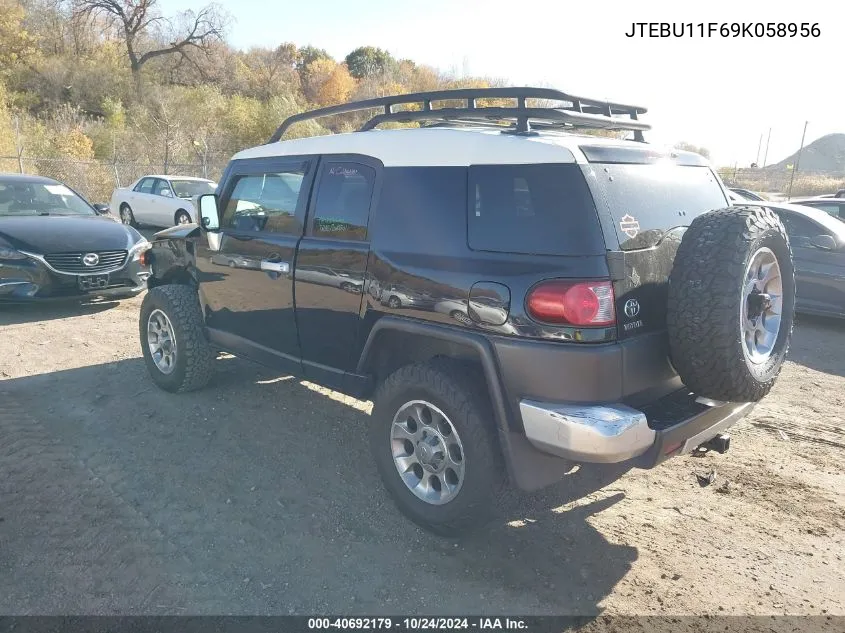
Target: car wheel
{"type": "Point", "coordinates": [433, 442]}
{"type": "Point", "coordinates": [182, 217]}
{"type": "Point", "coordinates": [731, 304]}
{"type": "Point", "coordinates": [460, 317]}
{"type": "Point", "coordinates": [173, 340]}
{"type": "Point", "coordinates": [348, 287]}
{"type": "Point", "coordinates": [126, 216]}
{"type": "Point", "coordinates": [231, 264]}
{"type": "Point", "coordinates": [394, 302]}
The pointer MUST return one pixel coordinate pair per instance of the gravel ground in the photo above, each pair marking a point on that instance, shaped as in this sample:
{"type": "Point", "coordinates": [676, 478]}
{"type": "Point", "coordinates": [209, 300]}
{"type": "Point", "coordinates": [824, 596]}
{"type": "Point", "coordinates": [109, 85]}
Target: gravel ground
{"type": "Point", "coordinates": [258, 496]}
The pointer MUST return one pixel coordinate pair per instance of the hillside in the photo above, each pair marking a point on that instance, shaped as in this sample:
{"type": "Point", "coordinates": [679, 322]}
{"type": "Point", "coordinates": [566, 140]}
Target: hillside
{"type": "Point", "coordinates": [824, 154]}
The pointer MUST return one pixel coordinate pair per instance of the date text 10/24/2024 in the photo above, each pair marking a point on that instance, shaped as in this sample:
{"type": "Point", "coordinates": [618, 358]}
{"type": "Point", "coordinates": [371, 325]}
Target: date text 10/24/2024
{"type": "Point", "coordinates": [419, 623]}
{"type": "Point", "coordinates": [723, 29]}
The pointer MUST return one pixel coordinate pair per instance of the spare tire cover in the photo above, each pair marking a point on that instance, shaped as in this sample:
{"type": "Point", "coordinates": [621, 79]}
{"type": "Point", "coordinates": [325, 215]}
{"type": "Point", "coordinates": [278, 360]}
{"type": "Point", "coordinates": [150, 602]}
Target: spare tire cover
{"type": "Point", "coordinates": [731, 303]}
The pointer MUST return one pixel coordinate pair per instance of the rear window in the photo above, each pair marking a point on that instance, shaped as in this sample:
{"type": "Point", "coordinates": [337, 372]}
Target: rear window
{"type": "Point", "coordinates": [532, 209]}
{"type": "Point", "coordinates": [646, 201]}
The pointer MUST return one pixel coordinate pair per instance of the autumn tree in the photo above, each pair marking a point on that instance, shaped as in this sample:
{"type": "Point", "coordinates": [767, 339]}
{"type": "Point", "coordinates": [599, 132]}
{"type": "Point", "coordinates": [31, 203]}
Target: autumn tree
{"type": "Point", "coordinates": [337, 88]}
{"type": "Point", "coordinates": [270, 72]}
{"type": "Point", "coordinates": [147, 34]}
{"type": "Point", "coordinates": [17, 45]}
{"type": "Point", "coordinates": [314, 75]}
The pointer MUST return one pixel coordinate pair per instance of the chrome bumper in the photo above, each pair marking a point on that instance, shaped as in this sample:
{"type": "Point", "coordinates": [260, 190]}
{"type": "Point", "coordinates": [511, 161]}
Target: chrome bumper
{"type": "Point", "coordinates": [587, 433]}
{"type": "Point", "coordinates": [608, 434]}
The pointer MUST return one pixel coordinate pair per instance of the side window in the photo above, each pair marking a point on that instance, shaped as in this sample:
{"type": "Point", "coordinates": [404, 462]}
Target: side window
{"type": "Point", "coordinates": [800, 230]}
{"type": "Point", "coordinates": [145, 186]}
{"type": "Point", "coordinates": [342, 208]}
{"type": "Point", "coordinates": [266, 202]}
{"type": "Point", "coordinates": [831, 208]}
{"type": "Point", "coordinates": [543, 209]}
{"type": "Point", "coordinates": [161, 188]}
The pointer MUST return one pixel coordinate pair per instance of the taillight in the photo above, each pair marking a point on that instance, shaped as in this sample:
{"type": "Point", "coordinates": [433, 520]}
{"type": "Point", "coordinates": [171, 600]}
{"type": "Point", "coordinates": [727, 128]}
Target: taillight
{"type": "Point", "coordinates": [582, 303]}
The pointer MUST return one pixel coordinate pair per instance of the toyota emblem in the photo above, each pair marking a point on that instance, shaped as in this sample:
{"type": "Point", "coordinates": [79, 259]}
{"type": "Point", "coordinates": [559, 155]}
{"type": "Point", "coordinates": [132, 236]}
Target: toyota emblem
{"type": "Point", "coordinates": [632, 308]}
{"type": "Point", "coordinates": [91, 259]}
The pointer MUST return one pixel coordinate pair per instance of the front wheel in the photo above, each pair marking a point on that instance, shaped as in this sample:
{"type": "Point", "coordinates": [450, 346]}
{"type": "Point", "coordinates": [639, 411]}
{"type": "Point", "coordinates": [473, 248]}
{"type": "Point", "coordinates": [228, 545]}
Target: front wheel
{"type": "Point", "coordinates": [127, 217]}
{"type": "Point", "coordinates": [433, 442]}
{"type": "Point", "coordinates": [173, 340]}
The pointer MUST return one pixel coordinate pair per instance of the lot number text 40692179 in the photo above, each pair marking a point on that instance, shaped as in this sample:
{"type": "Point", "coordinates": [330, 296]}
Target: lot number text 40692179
{"type": "Point", "coordinates": [723, 29]}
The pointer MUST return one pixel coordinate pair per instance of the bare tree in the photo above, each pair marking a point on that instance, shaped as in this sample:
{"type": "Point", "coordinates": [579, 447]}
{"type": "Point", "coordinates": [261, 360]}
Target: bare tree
{"type": "Point", "coordinates": [148, 34]}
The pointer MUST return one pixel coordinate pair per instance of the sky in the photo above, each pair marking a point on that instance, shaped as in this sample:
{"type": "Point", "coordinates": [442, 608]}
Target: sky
{"type": "Point", "coordinates": [720, 93]}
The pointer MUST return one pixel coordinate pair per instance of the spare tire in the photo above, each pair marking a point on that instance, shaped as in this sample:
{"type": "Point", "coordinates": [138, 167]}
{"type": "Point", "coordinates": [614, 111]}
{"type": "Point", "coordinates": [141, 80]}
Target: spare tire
{"type": "Point", "coordinates": [731, 303]}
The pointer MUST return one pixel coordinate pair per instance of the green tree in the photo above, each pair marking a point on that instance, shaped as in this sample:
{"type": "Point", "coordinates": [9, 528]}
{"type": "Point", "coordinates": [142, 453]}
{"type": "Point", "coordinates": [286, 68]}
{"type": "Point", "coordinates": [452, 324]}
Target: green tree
{"type": "Point", "coordinates": [367, 61]}
{"type": "Point", "coordinates": [308, 54]}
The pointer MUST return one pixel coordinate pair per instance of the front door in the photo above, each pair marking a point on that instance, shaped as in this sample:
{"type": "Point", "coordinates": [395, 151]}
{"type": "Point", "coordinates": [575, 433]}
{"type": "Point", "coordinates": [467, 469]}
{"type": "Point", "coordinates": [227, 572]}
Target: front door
{"type": "Point", "coordinates": [819, 273]}
{"type": "Point", "coordinates": [331, 267]}
{"type": "Point", "coordinates": [246, 285]}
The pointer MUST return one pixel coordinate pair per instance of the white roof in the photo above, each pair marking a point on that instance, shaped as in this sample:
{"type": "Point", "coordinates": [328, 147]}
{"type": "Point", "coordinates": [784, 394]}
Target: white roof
{"type": "Point", "coordinates": [415, 147]}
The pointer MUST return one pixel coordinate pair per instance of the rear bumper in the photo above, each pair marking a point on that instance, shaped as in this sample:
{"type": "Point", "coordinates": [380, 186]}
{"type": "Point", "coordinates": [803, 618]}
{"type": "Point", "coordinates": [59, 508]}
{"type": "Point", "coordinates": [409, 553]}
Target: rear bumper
{"type": "Point", "coordinates": [605, 434]}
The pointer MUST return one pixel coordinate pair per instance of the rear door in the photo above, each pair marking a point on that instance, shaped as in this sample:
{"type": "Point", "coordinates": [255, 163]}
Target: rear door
{"type": "Point", "coordinates": [331, 266]}
{"type": "Point", "coordinates": [140, 201]}
{"type": "Point", "coordinates": [645, 202]}
{"type": "Point", "coordinates": [246, 284]}
{"type": "Point", "coordinates": [161, 203]}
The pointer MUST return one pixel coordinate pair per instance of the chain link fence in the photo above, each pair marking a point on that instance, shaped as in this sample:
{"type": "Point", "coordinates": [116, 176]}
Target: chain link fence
{"type": "Point", "coordinates": [96, 180]}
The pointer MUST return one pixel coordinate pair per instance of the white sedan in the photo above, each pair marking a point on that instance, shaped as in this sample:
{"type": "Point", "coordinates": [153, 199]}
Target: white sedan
{"type": "Point", "coordinates": [160, 200]}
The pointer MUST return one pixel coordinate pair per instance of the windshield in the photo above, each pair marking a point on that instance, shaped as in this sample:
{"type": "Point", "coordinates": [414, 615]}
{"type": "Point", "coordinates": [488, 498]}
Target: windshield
{"type": "Point", "coordinates": [191, 188]}
{"type": "Point", "coordinates": [35, 198]}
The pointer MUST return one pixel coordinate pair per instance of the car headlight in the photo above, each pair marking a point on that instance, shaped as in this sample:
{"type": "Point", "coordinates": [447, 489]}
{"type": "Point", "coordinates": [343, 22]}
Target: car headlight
{"type": "Point", "coordinates": [138, 249]}
{"type": "Point", "coordinates": [7, 252]}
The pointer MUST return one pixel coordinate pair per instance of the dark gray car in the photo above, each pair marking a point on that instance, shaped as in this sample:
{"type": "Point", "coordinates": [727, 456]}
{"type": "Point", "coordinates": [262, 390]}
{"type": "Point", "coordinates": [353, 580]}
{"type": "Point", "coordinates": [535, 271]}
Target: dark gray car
{"type": "Point", "coordinates": [818, 249]}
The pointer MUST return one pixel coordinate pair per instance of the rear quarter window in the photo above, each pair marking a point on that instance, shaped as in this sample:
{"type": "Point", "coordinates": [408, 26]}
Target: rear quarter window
{"type": "Point", "coordinates": [532, 209]}
{"type": "Point", "coordinates": [645, 202]}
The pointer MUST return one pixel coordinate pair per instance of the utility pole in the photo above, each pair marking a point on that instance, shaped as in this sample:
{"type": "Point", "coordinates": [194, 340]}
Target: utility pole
{"type": "Point", "coordinates": [759, 145]}
{"type": "Point", "coordinates": [797, 161]}
{"type": "Point", "coordinates": [766, 155]}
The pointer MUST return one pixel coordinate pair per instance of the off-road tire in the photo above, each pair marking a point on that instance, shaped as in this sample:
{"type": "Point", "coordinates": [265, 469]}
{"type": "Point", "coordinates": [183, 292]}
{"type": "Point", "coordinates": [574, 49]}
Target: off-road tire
{"type": "Point", "coordinates": [125, 208]}
{"type": "Point", "coordinates": [705, 303]}
{"type": "Point", "coordinates": [461, 395]}
{"type": "Point", "coordinates": [194, 364]}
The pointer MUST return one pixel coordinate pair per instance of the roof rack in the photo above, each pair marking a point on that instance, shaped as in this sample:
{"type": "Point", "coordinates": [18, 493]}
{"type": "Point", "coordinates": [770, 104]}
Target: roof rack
{"type": "Point", "coordinates": [579, 113]}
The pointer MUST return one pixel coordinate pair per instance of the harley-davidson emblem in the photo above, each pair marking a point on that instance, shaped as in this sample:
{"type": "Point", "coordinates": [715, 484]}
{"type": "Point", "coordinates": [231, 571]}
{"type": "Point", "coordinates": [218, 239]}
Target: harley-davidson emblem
{"type": "Point", "coordinates": [91, 259]}
{"type": "Point", "coordinates": [630, 225]}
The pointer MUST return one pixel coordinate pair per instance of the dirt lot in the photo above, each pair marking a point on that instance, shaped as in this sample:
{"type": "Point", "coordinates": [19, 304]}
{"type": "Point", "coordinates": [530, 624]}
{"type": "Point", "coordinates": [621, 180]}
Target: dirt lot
{"type": "Point", "coordinates": [258, 495]}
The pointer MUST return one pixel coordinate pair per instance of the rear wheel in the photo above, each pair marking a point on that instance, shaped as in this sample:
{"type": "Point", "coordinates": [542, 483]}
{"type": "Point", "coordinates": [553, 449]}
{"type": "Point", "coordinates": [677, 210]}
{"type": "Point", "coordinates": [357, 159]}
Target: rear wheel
{"type": "Point", "coordinates": [173, 340]}
{"type": "Point", "coordinates": [432, 438]}
{"type": "Point", "coordinates": [126, 216]}
{"type": "Point", "coordinates": [394, 302]}
{"type": "Point", "coordinates": [731, 303]}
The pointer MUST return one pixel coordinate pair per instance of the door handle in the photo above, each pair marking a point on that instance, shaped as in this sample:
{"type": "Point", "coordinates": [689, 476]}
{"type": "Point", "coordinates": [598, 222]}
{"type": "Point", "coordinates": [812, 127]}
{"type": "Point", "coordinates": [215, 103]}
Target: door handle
{"type": "Point", "coordinates": [275, 267]}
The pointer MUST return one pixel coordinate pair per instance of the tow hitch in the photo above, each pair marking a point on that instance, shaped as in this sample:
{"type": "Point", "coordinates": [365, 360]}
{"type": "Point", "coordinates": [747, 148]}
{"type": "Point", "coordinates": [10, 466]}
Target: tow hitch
{"type": "Point", "coordinates": [721, 443]}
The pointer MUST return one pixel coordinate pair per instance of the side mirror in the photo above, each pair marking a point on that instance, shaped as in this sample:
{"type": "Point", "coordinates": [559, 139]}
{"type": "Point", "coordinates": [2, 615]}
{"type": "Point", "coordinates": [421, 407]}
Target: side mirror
{"type": "Point", "coordinates": [102, 209]}
{"type": "Point", "coordinates": [824, 242]}
{"type": "Point", "coordinates": [207, 204]}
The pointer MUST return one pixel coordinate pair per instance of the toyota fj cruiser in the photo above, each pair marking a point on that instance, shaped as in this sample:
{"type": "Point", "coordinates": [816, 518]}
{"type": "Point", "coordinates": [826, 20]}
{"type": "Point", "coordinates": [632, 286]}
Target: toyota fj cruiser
{"type": "Point", "coordinates": [568, 298]}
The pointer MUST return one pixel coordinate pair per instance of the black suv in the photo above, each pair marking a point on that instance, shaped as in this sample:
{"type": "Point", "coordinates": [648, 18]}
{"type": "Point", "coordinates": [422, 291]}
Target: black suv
{"type": "Point", "coordinates": [587, 299]}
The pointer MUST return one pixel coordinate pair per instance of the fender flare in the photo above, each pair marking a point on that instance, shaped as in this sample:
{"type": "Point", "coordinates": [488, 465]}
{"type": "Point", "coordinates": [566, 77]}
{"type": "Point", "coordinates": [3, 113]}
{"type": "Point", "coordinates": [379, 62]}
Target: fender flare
{"type": "Point", "coordinates": [527, 467]}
